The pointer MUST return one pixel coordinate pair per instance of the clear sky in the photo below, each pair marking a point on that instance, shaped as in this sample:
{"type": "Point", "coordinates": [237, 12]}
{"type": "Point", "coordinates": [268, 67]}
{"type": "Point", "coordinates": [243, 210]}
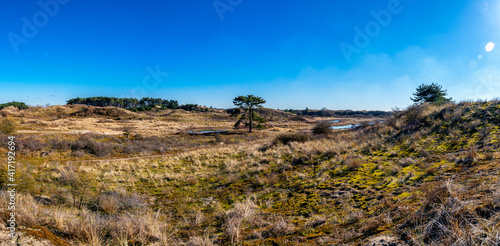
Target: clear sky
{"type": "Point", "coordinates": [337, 54]}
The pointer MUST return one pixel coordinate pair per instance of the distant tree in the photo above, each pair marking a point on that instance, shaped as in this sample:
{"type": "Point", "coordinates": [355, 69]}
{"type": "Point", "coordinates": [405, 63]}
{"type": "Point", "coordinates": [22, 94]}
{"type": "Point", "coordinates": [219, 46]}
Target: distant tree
{"type": "Point", "coordinates": [190, 107]}
{"type": "Point", "coordinates": [430, 93]}
{"type": "Point", "coordinates": [248, 104]}
{"type": "Point", "coordinates": [19, 105]}
{"type": "Point", "coordinates": [306, 111]}
{"type": "Point", "coordinates": [133, 104]}
{"type": "Point", "coordinates": [128, 129]}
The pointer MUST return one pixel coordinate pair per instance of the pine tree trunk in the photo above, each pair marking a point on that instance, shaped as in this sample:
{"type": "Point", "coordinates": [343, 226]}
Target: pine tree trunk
{"type": "Point", "coordinates": [251, 120]}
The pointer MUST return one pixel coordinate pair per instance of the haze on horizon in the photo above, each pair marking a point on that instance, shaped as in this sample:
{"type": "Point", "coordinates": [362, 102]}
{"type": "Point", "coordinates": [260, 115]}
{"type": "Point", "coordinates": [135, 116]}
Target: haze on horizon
{"type": "Point", "coordinates": [350, 55]}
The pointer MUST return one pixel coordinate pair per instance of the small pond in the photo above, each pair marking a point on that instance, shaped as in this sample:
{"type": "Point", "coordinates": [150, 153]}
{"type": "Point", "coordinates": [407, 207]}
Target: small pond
{"type": "Point", "coordinates": [343, 127]}
{"type": "Point", "coordinates": [353, 126]}
{"type": "Point", "coordinates": [201, 132]}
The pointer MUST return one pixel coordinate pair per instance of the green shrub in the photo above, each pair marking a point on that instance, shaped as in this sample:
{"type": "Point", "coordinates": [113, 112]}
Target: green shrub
{"type": "Point", "coordinates": [8, 126]}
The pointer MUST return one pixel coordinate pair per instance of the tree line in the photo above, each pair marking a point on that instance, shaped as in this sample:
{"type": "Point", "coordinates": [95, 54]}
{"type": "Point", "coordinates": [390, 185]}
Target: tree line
{"type": "Point", "coordinates": [19, 105]}
{"type": "Point", "coordinates": [334, 113]}
{"type": "Point", "coordinates": [133, 104]}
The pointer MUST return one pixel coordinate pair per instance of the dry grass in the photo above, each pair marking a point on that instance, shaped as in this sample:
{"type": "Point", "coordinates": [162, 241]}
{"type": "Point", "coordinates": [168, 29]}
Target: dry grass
{"type": "Point", "coordinates": [235, 217]}
{"type": "Point", "coordinates": [451, 216]}
{"type": "Point", "coordinates": [87, 226]}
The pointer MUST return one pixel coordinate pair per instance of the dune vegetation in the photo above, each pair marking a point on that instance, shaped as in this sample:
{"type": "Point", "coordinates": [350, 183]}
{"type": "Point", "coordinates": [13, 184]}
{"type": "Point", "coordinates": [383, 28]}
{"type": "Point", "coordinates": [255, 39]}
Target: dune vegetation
{"type": "Point", "coordinates": [426, 175]}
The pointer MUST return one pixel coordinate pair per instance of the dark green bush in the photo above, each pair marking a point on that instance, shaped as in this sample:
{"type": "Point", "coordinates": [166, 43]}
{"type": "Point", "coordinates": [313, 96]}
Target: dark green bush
{"type": "Point", "coordinates": [143, 104]}
{"type": "Point", "coordinates": [19, 105]}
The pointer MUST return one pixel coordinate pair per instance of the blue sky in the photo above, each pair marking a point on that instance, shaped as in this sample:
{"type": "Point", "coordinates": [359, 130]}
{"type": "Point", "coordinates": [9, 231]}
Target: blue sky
{"type": "Point", "coordinates": [293, 53]}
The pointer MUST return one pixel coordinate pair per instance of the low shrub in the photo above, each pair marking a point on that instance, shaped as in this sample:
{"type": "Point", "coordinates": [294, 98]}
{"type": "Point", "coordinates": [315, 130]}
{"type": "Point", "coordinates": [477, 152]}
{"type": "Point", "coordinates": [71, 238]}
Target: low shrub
{"type": "Point", "coordinates": [111, 202]}
{"type": "Point", "coordinates": [77, 145]}
{"type": "Point", "coordinates": [322, 128]}
{"type": "Point", "coordinates": [31, 143]}
{"type": "Point", "coordinates": [297, 118]}
{"type": "Point", "coordinates": [90, 145]}
{"type": "Point", "coordinates": [8, 126]}
{"type": "Point", "coordinates": [100, 149]}
{"type": "Point", "coordinates": [288, 138]}
{"type": "Point", "coordinates": [60, 144]}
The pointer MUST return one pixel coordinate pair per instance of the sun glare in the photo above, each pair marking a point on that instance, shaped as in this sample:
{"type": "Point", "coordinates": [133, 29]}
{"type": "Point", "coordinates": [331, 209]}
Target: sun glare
{"type": "Point", "coordinates": [489, 47]}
